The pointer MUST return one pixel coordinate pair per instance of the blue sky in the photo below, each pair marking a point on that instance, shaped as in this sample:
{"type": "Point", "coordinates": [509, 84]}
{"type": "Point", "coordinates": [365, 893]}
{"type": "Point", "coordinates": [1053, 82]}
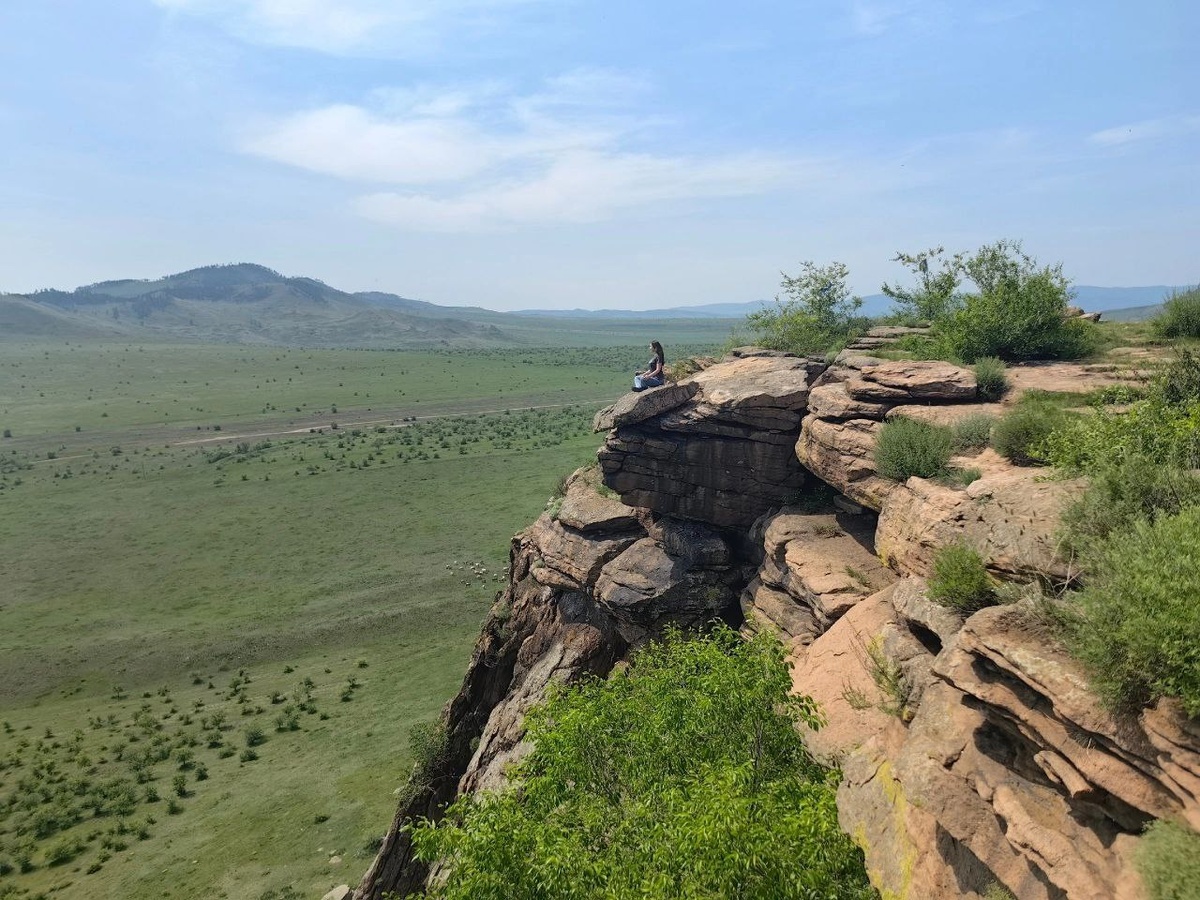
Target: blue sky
{"type": "Point", "coordinates": [539, 153]}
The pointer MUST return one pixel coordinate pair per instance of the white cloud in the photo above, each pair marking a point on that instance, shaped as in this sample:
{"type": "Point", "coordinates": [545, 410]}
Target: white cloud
{"type": "Point", "coordinates": [1147, 130]}
{"type": "Point", "coordinates": [342, 26]}
{"type": "Point", "coordinates": [486, 158]}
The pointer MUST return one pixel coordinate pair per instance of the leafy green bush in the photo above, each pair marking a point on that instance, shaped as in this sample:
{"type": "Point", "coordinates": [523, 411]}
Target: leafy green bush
{"type": "Point", "coordinates": [990, 378]}
{"type": "Point", "coordinates": [1180, 316]}
{"type": "Point", "coordinates": [1123, 490]}
{"type": "Point", "coordinates": [934, 296]}
{"type": "Point", "coordinates": [683, 773]}
{"type": "Point", "coordinates": [1020, 433]}
{"type": "Point", "coordinates": [1018, 311]}
{"type": "Point", "coordinates": [1139, 616]}
{"type": "Point", "coordinates": [973, 432]}
{"type": "Point", "coordinates": [960, 579]}
{"type": "Point", "coordinates": [817, 312]}
{"type": "Point", "coordinates": [1168, 859]}
{"type": "Point", "coordinates": [906, 447]}
{"type": "Point", "coordinates": [1159, 431]}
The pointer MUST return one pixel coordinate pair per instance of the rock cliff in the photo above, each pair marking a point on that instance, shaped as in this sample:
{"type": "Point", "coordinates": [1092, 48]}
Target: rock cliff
{"type": "Point", "coordinates": [973, 752]}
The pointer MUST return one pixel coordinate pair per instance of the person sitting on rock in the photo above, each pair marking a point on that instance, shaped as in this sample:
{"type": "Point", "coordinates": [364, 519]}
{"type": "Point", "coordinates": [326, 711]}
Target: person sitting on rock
{"type": "Point", "coordinates": [654, 375]}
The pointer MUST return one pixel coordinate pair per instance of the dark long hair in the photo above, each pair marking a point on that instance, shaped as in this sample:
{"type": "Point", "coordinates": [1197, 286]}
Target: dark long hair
{"type": "Point", "coordinates": [658, 351]}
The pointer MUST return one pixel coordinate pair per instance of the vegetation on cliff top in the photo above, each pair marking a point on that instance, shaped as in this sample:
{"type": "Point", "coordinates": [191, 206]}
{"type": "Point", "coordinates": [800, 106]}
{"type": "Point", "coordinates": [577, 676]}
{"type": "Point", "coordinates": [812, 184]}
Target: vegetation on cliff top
{"type": "Point", "coordinates": [681, 776]}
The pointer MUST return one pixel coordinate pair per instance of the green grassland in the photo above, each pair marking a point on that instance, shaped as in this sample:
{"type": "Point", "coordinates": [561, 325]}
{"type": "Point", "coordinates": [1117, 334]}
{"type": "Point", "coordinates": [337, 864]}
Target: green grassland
{"type": "Point", "coordinates": [177, 556]}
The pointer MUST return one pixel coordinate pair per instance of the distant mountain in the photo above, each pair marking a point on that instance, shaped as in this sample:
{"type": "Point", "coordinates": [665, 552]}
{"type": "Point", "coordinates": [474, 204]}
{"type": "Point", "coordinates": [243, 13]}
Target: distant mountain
{"type": "Point", "coordinates": [244, 303]}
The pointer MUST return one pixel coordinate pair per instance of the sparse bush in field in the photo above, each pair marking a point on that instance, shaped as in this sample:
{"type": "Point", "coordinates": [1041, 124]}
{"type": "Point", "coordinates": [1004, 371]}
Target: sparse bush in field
{"type": "Point", "coordinates": [1019, 434]}
{"type": "Point", "coordinates": [1179, 383]}
{"type": "Point", "coordinates": [906, 447]}
{"type": "Point", "coordinates": [1139, 618]}
{"type": "Point", "coordinates": [1168, 859]}
{"type": "Point", "coordinates": [64, 851]}
{"type": "Point", "coordinates": [990, 379]}
{"type": "Point", "coordinates": [254, 735]}
{"type": "Point", "coordinates": [960, 579]}
{"type": "Point", "coordinates": [973, 432]}
{"type": "Point", "coordinates": [179, 785]}
{"type": "Point", "coordinates": [248, 755]}
{"type": "Point", "coordinates": [1180, 316]}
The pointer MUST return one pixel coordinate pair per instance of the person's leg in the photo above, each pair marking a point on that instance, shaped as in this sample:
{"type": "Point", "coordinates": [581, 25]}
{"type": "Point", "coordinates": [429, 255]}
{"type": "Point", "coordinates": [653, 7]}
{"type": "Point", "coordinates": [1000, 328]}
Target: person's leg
{"type": "Point", "coordinates": [651, 381]}
{"type": "Point", "coordinates": [638, 383]}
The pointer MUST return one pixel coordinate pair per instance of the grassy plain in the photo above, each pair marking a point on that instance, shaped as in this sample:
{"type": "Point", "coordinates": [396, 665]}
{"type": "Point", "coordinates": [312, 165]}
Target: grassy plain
{"type": "Point", "coordinates": [197, 526]}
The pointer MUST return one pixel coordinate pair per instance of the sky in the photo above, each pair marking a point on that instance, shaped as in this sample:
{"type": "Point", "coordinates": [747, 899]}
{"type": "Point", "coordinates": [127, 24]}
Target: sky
{"type": "Point", "coordinates": [518, 154]}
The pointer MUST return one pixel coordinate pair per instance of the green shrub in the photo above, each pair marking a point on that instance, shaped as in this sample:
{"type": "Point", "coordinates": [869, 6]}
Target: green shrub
{"type": "Point", "coordinates": [1122, 491]}
{"type": "Point", "coordinates": [1165, 433]}
{"type": "Point", "coordinates": [973, 432]}
{"type": "Point", "coordinates": [254, 736]}
{"type": "Point", "coordinates": [815, 313]}
{"type": "Point", "coordinates": [962, 477]}
{"type": "Point", "coordinates": [906, 447]}
{"type": "Point", "coordinates": [990, 378]}
{"type": "Point", "coordinates": [1179, 383]}
{"type": "Point", "coordinates": [1139, 616]}
{"type": "Point", "coordinates": [1180, 316]}
{"type": "Point", "coordinates": [64, 851]}
{"type": "Point", "coordinates": [1018, 312]}
{"type": "Point", "coordinates": [960, 579]}
{"type": "Point", "coordinates": [1019, 434]}
{"type": "Point", "coordinates": [684, 770]}
{"type": "Point", "coordinates": [1168, 859]}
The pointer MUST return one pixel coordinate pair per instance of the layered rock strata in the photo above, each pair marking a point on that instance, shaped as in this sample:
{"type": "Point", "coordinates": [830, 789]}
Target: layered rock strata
{"type": "Point", "coordinates": [716, 448]}
{"type": "Point", "coordinates": [973, 753]}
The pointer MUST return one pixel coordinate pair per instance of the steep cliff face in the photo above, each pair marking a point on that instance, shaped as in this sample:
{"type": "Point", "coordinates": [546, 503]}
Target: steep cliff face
{"type": "Point", "coordinates": [973, 752]}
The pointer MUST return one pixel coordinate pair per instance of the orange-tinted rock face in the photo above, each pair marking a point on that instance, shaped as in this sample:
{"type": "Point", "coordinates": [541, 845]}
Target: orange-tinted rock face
{"type": "Point", "coordinates": [973, 752]}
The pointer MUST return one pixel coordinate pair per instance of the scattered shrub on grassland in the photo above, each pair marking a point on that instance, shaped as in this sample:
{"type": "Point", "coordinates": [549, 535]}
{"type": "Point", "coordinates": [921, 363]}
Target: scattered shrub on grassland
{"type": "Point", "coordinates": [990, 379]}
{"type": "Point", "coordinates": [960, 579]}
{"type": "Point", "coordinates": [1180, 316]}
{"type": "Point", "coordinates": [973, 432]}
{"type": "Point", "coordinates": [1168, 859]}
{"type": "Point", "coordinates": [906, 447]}
{"type": "Point", "coordinates": [1019, 434]}
{"type": "Point", "coordinates": [686, 769]}
{"type": "Point", "coordinates": [1139, 618]}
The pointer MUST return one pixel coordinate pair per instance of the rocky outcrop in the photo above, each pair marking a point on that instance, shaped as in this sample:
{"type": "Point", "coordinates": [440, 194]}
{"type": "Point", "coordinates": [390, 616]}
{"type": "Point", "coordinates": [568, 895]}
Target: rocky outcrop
{"type": "Point", "coordinates": [587, 582]}
{"type": "Point", "coordinates": [815, 568]}
{"type": "Point", "coordinates": [716, 448]}
{"type": "Point", "coordinates": [973, 753]}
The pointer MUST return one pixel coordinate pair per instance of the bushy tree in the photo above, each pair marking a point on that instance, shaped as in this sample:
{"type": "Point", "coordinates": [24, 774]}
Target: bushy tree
{"type": "Point", "coordinates": [682, 777]}
{"type": "Point", "coordinates": [815, 312]}
{"type": "Point", "coordinates": [935, 295]}
{"type": "Point", "coordinates": [1017, 312]}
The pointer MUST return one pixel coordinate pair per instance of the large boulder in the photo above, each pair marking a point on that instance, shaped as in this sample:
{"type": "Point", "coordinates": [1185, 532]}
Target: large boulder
{"type": "Point", "coordinates": [723, 455]}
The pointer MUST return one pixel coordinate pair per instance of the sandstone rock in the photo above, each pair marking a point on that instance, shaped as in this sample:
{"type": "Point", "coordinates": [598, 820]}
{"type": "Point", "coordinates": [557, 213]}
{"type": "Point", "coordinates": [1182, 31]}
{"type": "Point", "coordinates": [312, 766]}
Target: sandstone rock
{"type": "Point", "coordinates": [646, 588]}
{"type": "Point", "coordinates": [915, 380]}
{"type": "Point", "coordinates": [637, 407]}
{"type": "Point", "coordinates": [722, 481]}
{"type": "Point", "coordinates": [1061, 376]}
{"type": "Point", "coordinates": [831, 401]}
{"type": "Point", "coordinates": [577, 555]}
{"type": "Point", "coordinates": [1009, 517]}
{"type": "Point", "coordinates": [842, 454]}
{"type": "Point", "coordinates": [769, 609]}
{"type": "Point", "coordinates": [341, 892]}
{"type": "Point", "coordinates": [768, 393]}
{"type": "Point", "coordinates": [947, 416]}
{"type": "Point", "coordinates": [586, 510]}
{"type": "Point", "coordinates": [919, 612]}
{"type": "Point", "coordinates": [834, 672]}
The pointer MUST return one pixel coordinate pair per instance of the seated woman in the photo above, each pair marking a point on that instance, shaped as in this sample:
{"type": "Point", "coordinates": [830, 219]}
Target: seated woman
{"type": "Point", "coordinates": [654, 375]}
